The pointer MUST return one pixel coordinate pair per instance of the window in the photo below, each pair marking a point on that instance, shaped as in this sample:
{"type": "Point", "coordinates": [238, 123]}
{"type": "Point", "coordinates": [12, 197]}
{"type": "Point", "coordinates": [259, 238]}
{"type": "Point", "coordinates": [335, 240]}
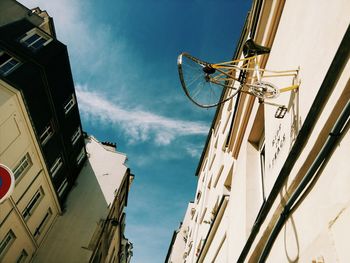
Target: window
{"type": "Point", "coordinates": [69, 105]}
{"type": "Point", "coordinates": [22, 257]}
{"type": "Point", "coordinates": [81, 155]}
{"type": "Point", "coordinates": [43, 223]}
{"type": "Point", "coordinates": [6, 243]}
{"type": "Point", "coordinates": [7, 63]}
{"type": "Point", "coordinates": [35, 39]}
{"type": "Point", "coordinates": [46, 134]}
{"type": "Point", "coordinates": [62, 187]}
{"type": "Point", "coordinates": [33, 203]}
{"type": "Point", "coordinates": [76, 136]}
{"type": "Point", "coordinates": [22, 167]}
{"type": "Point", "coordinates": [56, 166]}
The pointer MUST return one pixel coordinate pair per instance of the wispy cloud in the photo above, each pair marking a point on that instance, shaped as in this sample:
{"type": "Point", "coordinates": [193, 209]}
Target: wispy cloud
{"type": "Point", "coordinates": [137, 124]}
{"type": "Point", "coordinates": [194, 150]}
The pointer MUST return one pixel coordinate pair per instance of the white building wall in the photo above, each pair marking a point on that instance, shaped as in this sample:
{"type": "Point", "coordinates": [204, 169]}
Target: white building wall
{"type": "Point", "coordinates": [74, 235]}
{"type": "Point", "coordinates": [307, 38]}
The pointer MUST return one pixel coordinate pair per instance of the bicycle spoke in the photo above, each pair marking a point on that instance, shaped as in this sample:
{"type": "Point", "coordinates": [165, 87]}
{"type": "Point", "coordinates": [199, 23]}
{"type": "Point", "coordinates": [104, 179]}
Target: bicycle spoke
{"type": "Point", "coordinates": [202, 83]}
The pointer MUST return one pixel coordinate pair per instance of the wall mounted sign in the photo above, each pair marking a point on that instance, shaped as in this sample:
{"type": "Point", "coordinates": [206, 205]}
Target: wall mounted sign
{"type": "Point", "coordinates": [7, 182]}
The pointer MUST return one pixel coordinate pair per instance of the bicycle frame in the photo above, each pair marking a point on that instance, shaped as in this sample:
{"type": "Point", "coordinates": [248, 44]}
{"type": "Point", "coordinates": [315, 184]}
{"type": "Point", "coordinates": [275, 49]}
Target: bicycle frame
{"type": "Point", "coordinates": [230, 69]}
{"type": "Point", "coordinates": [240, 75]}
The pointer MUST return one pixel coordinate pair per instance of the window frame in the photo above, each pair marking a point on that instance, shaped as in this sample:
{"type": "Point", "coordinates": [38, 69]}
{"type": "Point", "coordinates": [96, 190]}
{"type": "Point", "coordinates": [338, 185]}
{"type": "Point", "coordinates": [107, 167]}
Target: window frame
{"type": "Point", "coordinates": [56, 166]}
{"type": "Point", "coordinates": [62, 187]}
{"type": "Point", "coordinates": [25, 160]}
{"type": "Point", "coordinates": [8, 61]}
{"type": "Point", "coordinates": [41, 34]}
{"type": "Point", "coordinates": [68, 106]}
{"type": "Point", "coordinates": [47, 133]}
{"type": "Point", "coordinates": [43, 223]}
{"type": "Point", "coordinates": [22, 257]}
{"type": "Point", "coordinates": [6, 243]}
{"type": "Point", "coordinates": [33, 204]}
{"type": "Point", "coordinates": [81, 155]}
{"type": "Point", "coordinates": [76, 135]}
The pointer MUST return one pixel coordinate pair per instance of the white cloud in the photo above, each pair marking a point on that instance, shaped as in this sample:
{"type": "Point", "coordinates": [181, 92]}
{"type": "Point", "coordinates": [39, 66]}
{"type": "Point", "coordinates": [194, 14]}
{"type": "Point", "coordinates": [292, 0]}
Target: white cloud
{"type": "Point", "coordinates": [194, 150]}
{"type": "Point", "coordinates": [91, 45]}
{"type": "Point", "coordinates": [137, 124]}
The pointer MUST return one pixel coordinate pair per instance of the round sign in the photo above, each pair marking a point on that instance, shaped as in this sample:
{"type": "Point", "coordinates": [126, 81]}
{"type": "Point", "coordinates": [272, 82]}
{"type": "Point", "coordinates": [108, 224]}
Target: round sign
{"type": "Point", "coordinates": [7, 182]}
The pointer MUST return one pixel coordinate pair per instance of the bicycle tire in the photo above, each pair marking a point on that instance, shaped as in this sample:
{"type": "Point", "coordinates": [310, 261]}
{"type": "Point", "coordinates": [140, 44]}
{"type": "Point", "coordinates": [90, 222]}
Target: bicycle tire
{"type": "Point", "coordinates": [263, 90]}
{"type": "Point", "coordinates": [199, 83]}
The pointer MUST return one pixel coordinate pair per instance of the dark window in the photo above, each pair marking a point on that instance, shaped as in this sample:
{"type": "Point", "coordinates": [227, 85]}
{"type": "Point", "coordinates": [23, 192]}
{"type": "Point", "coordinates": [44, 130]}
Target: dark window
{"type": "Point", "coordinates": [33, 203]}
{"type": "Point", "coordinates": [46, 134]}
{"type": "Point", "coordinates": [7, 63]}
{"type": "Point", "coordinates": [56, 166]}
{"type": "Point", "coordinates": [22, 167]}
{"type": "Point", "coordinates": [43, 223]}
{"type": "Point", "coordinates": [69, 104]}
{"type": "Point", "coordinates": [6, 243]}
{"type": "Point", "coordinates": [22, 257]}
{"type": "Point", "coordinates": [35, 40]}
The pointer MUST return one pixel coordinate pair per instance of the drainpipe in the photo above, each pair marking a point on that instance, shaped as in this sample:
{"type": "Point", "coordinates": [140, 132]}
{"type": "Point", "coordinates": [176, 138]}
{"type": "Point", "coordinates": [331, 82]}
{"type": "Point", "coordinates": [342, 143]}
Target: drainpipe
{"type": "Point", "coordinates": [321, 159]}
{"type": "Point", "coordinates": [326, 89]}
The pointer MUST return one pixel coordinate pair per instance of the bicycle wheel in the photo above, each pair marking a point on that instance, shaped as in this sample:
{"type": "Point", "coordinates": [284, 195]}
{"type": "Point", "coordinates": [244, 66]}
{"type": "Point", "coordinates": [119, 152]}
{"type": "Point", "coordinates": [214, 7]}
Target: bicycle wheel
{"type": "Point", "coordinates": [263, 90]}
{"type": "Point", "coordinates": [201, 82]}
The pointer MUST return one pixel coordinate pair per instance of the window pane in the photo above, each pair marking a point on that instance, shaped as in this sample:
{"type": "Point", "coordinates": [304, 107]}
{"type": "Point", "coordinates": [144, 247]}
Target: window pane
{"type": "Point", "coordinates": [22, 257]}
{"type": "Point", "coordinates": [31, 39]}
{"type": "Point", "coordinates": [39, 43]}
{"type": "Point", "coordinates": [33, 203]}
{"type": "Point", "coordinates": [23, 166]}
{"type": "Point", "coordinates": [69, 105]}
{"type": "Point", "coordinates": [6, 242]}
{"type": "Point", "coordinates": [47, 134]}
{"type": "Point", "coordinates": [43, 223]}
{"type": "Point", "coordinates": [35, 39]}
{"type": "Point", "coordinates": [76, 136]}
{"type": "Point", "coordinates": [8, 65]}
{"type": "Point", "coordinates": [4, 57]}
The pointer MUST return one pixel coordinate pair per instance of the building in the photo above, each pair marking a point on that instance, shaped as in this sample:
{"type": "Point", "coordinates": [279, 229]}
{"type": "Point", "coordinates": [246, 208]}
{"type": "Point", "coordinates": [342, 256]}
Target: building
{"type": "Point", "coordinates": [42, 142]}
{"type": "Point", "coordinates": [180, 237]}
{"type": "Point", "coordinates": [277, 189]}
{"type": "Point", "coordinates": [34, 62]}
{"type": "Point", "coordinates": [28, 214]}
{"type": "Point", "coordinates": [40, 128]}
{"type": "Point", "coordinates": [92, 228]}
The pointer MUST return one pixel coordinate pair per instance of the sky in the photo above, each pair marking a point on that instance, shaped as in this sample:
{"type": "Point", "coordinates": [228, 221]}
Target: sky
{"type": "Point", "coordinates": [123, 57]}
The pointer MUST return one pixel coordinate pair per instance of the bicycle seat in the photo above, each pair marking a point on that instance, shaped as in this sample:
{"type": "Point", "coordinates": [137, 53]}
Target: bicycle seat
{"type": "Point", "coordinates": [250, 48]}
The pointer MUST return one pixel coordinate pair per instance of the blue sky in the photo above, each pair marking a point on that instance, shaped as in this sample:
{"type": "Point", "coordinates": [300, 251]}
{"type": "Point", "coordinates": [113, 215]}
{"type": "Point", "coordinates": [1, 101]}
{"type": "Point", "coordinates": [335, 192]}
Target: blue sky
{"type": "Point", "coordinates": [123, 58]}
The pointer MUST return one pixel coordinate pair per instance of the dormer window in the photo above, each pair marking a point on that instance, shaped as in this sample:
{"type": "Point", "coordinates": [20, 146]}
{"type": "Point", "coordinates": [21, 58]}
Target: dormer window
{"type": "Point", "coordinates": [7, 63]}
{"type": "Point", "coordinates": [35, 39]}
{"type": "Point", "coordinates": [69, 105]}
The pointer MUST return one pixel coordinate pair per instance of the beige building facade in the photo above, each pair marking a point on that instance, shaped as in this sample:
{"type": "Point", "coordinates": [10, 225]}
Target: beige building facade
{"type": "Point", "coordinates": [277, 189]}
{"type": "Point", "coordinates": [28, 214]}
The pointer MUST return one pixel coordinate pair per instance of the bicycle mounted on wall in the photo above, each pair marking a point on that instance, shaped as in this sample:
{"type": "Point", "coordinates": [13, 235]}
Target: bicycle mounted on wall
{"type": "Point", "coordinates": [204, 83]}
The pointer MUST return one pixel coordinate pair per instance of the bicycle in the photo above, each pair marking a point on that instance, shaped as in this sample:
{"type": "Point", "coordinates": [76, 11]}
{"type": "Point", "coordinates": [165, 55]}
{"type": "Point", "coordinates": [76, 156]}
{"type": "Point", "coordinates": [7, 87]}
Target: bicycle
{"type": "Point", "coordinates": [204, 82]}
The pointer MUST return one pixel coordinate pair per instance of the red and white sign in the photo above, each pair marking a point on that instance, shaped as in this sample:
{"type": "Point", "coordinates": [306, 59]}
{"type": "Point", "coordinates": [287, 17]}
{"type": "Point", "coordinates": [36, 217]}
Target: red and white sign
{"type": "Point", "coordinates": [7, 182]}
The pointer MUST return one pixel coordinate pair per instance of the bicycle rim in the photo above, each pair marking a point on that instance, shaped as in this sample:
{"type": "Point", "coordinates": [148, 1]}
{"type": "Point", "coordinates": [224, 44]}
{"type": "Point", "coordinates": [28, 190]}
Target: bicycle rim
{"type": "Point", "coordinates": [203, 89]}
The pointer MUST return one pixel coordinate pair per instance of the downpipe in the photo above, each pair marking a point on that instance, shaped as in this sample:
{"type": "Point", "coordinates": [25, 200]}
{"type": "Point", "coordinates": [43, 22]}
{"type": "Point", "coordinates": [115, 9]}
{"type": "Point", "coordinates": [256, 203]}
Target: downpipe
{"type": "Point", "coordinates": [322, 157]}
